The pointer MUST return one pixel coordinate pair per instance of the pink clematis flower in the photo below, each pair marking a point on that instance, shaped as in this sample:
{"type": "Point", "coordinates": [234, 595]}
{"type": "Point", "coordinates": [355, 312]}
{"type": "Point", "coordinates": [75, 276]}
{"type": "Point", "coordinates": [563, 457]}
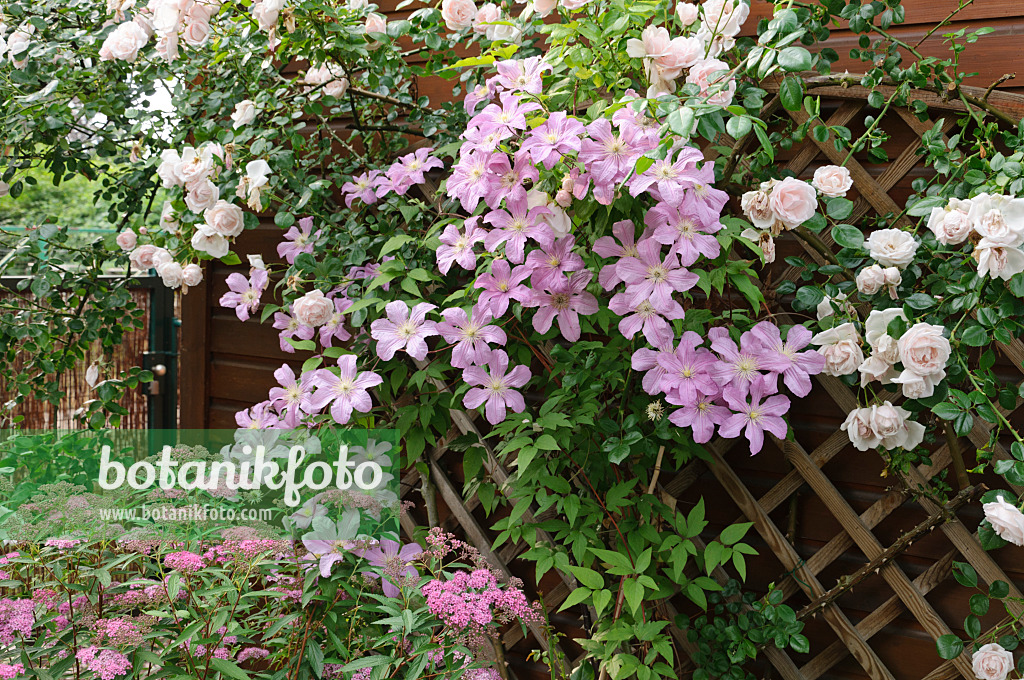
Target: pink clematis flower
{"type": "Point", "coordinates": [549, 263]}
{"type": "Point", "coordinates": [298, 240]}
{"type": "Point", "coordinates": [736, 364]}
{"type": "Point", "coordinates": [755, 417]}
{"type": "Point", "coordinates": [393, 558]}
{"type": "Point", "coordinates": [785, 358]}
{"type": "Point", "coordinates": [471, 179]}
{"type": "Point", "coordinates": [688, 371]}
{"type": "Point", "coordinates": [647, 360]}
{"type": "Point", "coordinates": [495, 387]}
{"type": "Point", "coordinates": [457, 247]}
{"type": "Point", "coordinates": [607, 246]}
{"type": "Point", "coordinates": [502, 285]}
{"type": "Point", "coordinates": [403, 330]}
{"type": "Point", "coordinates": [523, 75]}
{"type": "Point", "coordinates": [259, 417]}
{"type": "Point", "coordinates": [513, 226]}
{"type": "Point", "coordinates": [608, 157]}
{"type": "Point", "coordinates": [471, 335]}
{"type": "Point", "coordinates": [361, 187]}
{"type": "Point", "coordinates": [645, 317]}
{"type": "Point", "coordinates": [689, 238]}
{"type": "Point", "coordinates": [701, 416]}
{"type": "Point", "coordinates": [290, 328]}
{"type": "Point", "coordinates": [557, 137]}
{"type": "Point", "coordinates": [510, 184]}
{"type": "Point", "coordinates": [565, 302]}
{"type": "Point", "coordinates": [668, 178]}
{"type": "Point", "coordinates": [509, 116]}
{"type": "Point", "coordinates": [703, 201]}
{"type": "Point", "coordinates": [244, 295]}
{"type": "Point", "coordinates": [345, 392]}
{"type": "Point", "coordinates": [292, 397]}
{"type": "Point", "coordinates": [648, 276]}
{"type": "Point", "coordinates": [335, 327]}
{"type": "Point", "coordinates": [409, 170]}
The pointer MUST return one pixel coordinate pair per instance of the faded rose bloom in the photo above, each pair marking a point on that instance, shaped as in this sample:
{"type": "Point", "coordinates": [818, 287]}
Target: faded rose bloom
{"type": "Point", "coordinates": [209, 241]}
{"type": "Point", "coordinates": [793, 201]}
{"type": "Point", "coordinates": [127, 240]}
{"type": "Point", "coordinates": [870, 279]}
{"type": "Point", "coordinates": [998, 218]}
{"type": "Point", "coordinates": [244, 113]}
{"type": "Point", "coordinates": [841, 348]}
{"type": "Point", "coordinates": [951, 225]}
{"type": "Point", "coordinates": [1008, 523]}
{"type": "Point", "coordinates": [124, 42]}
{"type": "Point", "coordinates": [192, 275]}
{"type": "Point", "coordinates": [756, 205]}
{"type": "Point", "coordinates": [313, 309]}
{"type": "Point", "coordinates": [458, 14]}
{"type": "Point", "coordinates": [891, 247]}
{"type": "Point", "coordinates": [832, 180]}
{"type": "Point", "coordinates": [225, 219]}
{"type": "Point", "coordinates": [876, 332]}
{"type": "Point", "coordinates": [998, 261]}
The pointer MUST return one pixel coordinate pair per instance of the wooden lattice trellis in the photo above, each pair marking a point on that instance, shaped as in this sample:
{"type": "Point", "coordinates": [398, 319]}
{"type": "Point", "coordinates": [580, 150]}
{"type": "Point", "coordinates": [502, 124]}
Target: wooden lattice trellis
{"type": "Point", "coordinates": [801, 577]}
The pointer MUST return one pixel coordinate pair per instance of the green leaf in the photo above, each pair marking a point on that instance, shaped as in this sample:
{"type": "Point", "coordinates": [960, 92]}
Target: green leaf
{"type": "Point", "coordinates": [575, 597]}
{"type": "Point", "coordinates": [735, 532]}
{"type": "Point", "coordinates": [999, 590]}
{"type": "Point", "coordinates": [979, 604]}
{"type": "Point", "coordinates": [795, 58]}
{"type": "Point", "coordinates": [848, 236]}
{"type": "Point", "coordinates": [791, 93]}
{"type": "Point", "coordinates": [946, 411]}
{"type": "Point", "coordinates": [394, 243]}
{"type": "Point", "coordinates": [800, 644]}
{"type": "Point", "coordinates": [839, 208]}
{"type": "Point", "coordinates": [975, 336]}
{"type": "Point", "coordinates": [965, 575]}
{"type": "Point", "coordinates": [972, 626]}
{"type": "Point", "coordinates": [949, 646]}
{"type": "Point", "coordinates": [588, 577]}
{"type": "Point", "coordinates": [634, 594]}
{"type": "Point", "coordinates": [547, 442]}
{"type": "Point", "coordinates": [229, 669]}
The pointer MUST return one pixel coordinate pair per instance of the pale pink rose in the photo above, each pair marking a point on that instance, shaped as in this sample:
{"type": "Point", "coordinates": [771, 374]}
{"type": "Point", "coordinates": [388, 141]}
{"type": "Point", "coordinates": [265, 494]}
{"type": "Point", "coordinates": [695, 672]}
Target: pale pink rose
{"type": "Point", "coordinates": [916, 386]}
{"type": "Point", "coordinates": [192, 275]}
{"type": "Point", "coordinates": [725, 17]}
{"type": "Point", "coordinates": [717, 85]}
{"type": "Point", "coordinates": [196, 33]}
{"type": "Point", "coordinates": [195, 165]}
{"type": "Point", "coordinates": [202, 195]}
{"type": "Point", "coordinates": [225, 219]}
{"type": "Point", "coordinates": [171, 274]}
{"type": "Point", "coordinates": [757, 207]}
{"type": "Point", "coordinates": [375, 23]}
{"type": "Point", "coordinates": [144, 257]}
{"type": "Point", "coordinates": [124, 42]}
{"type": "Point", "coordinates": [245, 113]}
{"type": "Point", "coordinates": [19, 42]}
{"type": "Point", "coordinates": [127, 239]}
{"type": "Point", "coordinates": [682, 54]}
{"type": "Point", "coordinates": [544, 7]}
{"type": "Point", "coordinates": [923, 350]}
{"type": "Point", "coordinates": [313, 309]}
{"type": "Point", "coordinates": [459, 14]}
{"type": "Point", "coordinates": [951, 225]}
{"type": "Point", "coordinates": [890, 424]}
{"type": "Point", "coordinates": [841, 348]}
{"type": "Point", "coordinates": [687, 13]}
{"type": "Point", "coordinates": [485, 15]}
{"type": "Point", "coordinates": [336, 87]}
{"type": "Point", "coordinates": [168, 218]}
{"type": "Point", "coordinates": [267, 13]}
{"type": "Point", "coordinates": [832, 180]}
{"type": "Point", "coordinates": [168, 169]}
{"type": "Point", "coordinates": [891, 247]}
{"type": "Point", "coordinates": [876, 368]}
{"type": "Point", "coordinates": [858, 427]}
{"type": "Point", "coordinates": [825, 307]}
{"type": "Point", "coordinates": [572, 5]}
{"type": "Point", "coordinates": [998, 218]}
{"type": "Point", "coordinates": [653, 42]}
{"type": "Point", "coordinates": [992, 662]}
{"type": "Point", "coordinates": [1008, 523]}
{"type": "Point", "coordinates": [870, 279]}
{"type": "Point", "coordinates": [209, 241]}
{"type": "Point", "coordinates": [876, 332]}
{"type": "Point", "coordinates": [793, 201]}
{"type": "Point", "coordinates": [563, 198]}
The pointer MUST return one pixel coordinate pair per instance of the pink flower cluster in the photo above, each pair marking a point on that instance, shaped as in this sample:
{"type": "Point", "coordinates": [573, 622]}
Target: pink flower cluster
{"type": "Point", "coordinates": [406, 172]}
{"type": "Point", "coordinates": [9, 671]}
{"type": "Point", "coordinates": [106, 663]}
{"type": "Point", "coordinates": [16, 617]}
{"type": "Point", "coordinates": [729, 386]}
{"type": "Point", "coordinates": [184, 561]}
{"type": "Point", "coordinates": [468, 602]}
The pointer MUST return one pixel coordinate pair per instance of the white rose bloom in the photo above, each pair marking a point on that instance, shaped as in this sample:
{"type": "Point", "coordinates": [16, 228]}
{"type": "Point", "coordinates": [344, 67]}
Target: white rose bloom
{"type": "Point", "coordinates": [952, 224]}
{"type": "Point", "coordinates": [225, 219]}
{"type": "Point", "coordinates": [875, 367]}
{"type": "Point", "coordinates": [891, 247]}
{"type": "Point", "coordinates": [832, 180]}
{"type": "Point", "coordinates": [209, 241]}
{"type": "Point", "coordinates": [890, 424]}
{"type": "Point", "coordinates": [870, 279]}
{"type": "Point", "coordinates": [1008, 523]}
{"type": "Point", "coordinates": [858, 427]}
{"type": "Point", "coordinates": [825, 308]}
{"type": "Point", "coordinates": [192, 275]}
{"type": "Point", "coordinates": [171, 274]}
{"type": "Point", "coordinates": [757, 208]}
{"type": "Point", "coordinates": [245, 113]}
{"type": "Point", "coordinates": [841, 348]}
{"type": "Point", "coordinates": [202, 195]}
{"type": "Point", "coordinates": [558, 219]}
{"type": "Point", "coordinates": [168, 169]}
{"type": "Point", "coordinates": [876, 332]}
{"type": "Point", "coordinates": [997, 260]}
{"type": "Point", "coordinates": [999, 219]}
{"type": "Point", "coordinates": [916, 386]}
{"type": "Point", "coordinates": [124, 42]}
{"type": "Point", "coordinates": [195, 165]}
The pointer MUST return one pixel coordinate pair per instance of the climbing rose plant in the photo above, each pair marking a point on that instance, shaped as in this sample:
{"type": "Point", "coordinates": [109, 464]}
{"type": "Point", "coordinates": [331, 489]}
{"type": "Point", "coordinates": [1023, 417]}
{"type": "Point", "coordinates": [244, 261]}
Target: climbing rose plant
{"type": "Point", "coordinates": [557, 254]}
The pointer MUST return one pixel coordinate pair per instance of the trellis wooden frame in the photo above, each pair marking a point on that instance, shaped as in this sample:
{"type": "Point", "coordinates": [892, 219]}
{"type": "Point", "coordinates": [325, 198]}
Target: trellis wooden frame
{"type": "Point", "coordinates": [851, 638]}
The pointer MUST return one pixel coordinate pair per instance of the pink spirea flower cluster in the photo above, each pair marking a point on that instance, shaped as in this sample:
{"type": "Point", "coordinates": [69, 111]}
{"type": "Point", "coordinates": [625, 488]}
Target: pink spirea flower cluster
{"type": "Point", "coordinates": [184, 561]}
{"type": "Point", "coordinates": [9, 671]}
{"type": "Point", "coordinates": [468, 602]}
{"type": "Point", "coordinates": [16, 619]}
{"type": "Point", "coordinates": [120, 632]}
{"type": "Point", "coordinates": [106, 663]}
